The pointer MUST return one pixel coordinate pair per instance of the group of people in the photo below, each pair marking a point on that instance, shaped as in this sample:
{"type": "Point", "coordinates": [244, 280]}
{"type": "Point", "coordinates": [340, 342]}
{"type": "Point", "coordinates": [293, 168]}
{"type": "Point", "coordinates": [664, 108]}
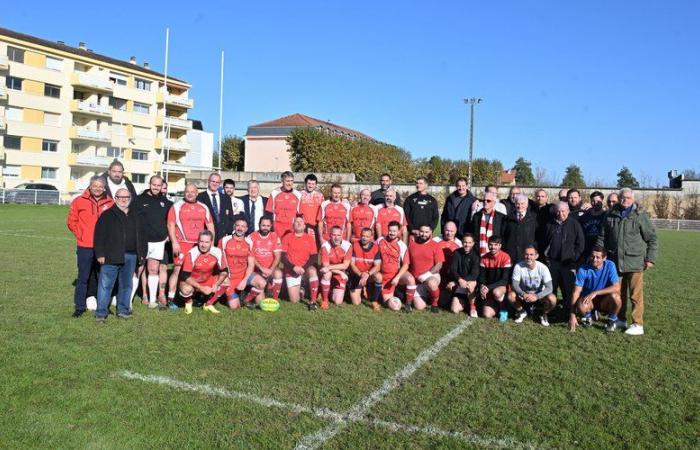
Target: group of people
{"type": "Point", "coordinates": [494, 258]}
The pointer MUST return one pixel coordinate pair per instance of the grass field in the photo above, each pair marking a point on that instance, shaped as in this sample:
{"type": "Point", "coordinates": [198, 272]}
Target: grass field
{"type": "Point", "coordinates": [249, 379]}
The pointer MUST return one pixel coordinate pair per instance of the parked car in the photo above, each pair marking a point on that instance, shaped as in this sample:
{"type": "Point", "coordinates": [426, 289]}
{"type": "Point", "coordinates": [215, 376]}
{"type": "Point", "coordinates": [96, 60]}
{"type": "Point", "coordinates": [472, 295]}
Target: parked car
{"type": "Point", "coordinates": [32, 193]}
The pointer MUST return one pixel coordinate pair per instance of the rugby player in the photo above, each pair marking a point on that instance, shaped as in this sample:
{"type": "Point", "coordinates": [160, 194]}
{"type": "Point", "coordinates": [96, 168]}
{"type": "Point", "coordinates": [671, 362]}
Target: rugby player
{"type": "Point", "coordinates": [464, 274]}
{"type": "Point", "coordinates": [426, 262]}
{"type": "Point", "coordinates": [597, 288]}
{"type": "Point", "coordinates": [365, 265]}
{"type": "Point", "coordinates": [267, 250]}
{"type": "Point", "coordinates": [334, 212]}
{"type": "Point", "coordinates": [532, 287]}
{"type": "Point", "coordinates": [395, 262]}
{"type": "Point", "coordinates": [335, 260]}
{"type": "Point", "coordinates": [299, 254]}
{"type": "Point", "coordinates": [240, 260]}
{"type": "Point", "coordinates": [310, 204]}
{"type": "Point", "coordinates": [362, 215]}
{"type": "Point", "coordinates": [186, 219]}
{"type": "Point", "coordinates": [390, 212]}
{"type": "Point", "coordinates": [494, 274]}
{"type": "Point", "coordinates": [283, 204]}
{"type": "Point", "coordinates": [203, 270]}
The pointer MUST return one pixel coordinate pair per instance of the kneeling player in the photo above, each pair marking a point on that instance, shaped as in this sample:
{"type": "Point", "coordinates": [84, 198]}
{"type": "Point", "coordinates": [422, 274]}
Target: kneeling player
{"type": "Point", "coordinates": [426, 261]}
{"type": "Point", "coordinates": [395, 262]}
{"type": "Point", "coordinates": [204, 271]}
{"type": "Point", "coordinates": [298, 256]}
{"type": "Point", "coordinates": [238, 251]}
{"type": "Point", "coordinates": [597, 287]}
{"type": "Point", "coordinates": [335, 259]}
{"type": "Point", "coordinates": [267, 250]}
{"type": "Point", "coordinates": [532, 287]}
{"type": "Point", "coordinates": [365, 266]}
{"type": "Point", "coordinates": [464, 272]}
{"type": "Point", "coordinates": [494, 273]}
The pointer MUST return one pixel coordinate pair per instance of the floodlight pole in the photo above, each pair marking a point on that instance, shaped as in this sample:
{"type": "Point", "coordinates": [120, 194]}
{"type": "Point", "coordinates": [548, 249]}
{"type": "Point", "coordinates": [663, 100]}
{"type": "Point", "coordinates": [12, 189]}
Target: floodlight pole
{"type": "Point", "coordinates": [471, 102]}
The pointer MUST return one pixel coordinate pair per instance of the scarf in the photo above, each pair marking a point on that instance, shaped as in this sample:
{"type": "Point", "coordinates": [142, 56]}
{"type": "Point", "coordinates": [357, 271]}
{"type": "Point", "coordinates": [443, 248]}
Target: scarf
{"type": "Point", "coordinates": [485, 231]}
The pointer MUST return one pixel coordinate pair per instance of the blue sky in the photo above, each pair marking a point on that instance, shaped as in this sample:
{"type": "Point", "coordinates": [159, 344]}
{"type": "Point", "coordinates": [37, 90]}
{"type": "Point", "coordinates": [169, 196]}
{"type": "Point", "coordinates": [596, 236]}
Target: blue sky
{"type": "Point", "coordinates": [597, 83]}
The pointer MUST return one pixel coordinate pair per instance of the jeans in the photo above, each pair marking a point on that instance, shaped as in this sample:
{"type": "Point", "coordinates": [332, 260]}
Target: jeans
{"type": "Point", "coordinates": [86, 269]}
{"type": "Point", "coordinates": [563, 277]}
{"type": "Point", "coordinates": [109, 273]}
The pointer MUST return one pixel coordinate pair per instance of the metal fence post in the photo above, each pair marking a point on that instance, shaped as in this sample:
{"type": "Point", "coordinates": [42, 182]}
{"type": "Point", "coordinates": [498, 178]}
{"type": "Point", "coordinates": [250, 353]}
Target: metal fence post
{"type": "Point", "coordinates": [36, 193]}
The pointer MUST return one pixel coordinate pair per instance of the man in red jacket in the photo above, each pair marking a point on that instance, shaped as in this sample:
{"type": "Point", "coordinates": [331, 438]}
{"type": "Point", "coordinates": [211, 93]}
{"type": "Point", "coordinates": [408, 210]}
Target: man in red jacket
{"type": "Point", "coordinates": [82, 216]}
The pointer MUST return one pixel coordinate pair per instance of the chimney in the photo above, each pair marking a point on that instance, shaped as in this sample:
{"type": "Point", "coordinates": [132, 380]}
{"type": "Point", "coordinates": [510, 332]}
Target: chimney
{"type": "Point", "coordinates": [132, 60]}
{"type": "Point", "coordinates": [146, 65]}
{"type": "Point", "coordinates": [82, 46]}
{"type": "Point", "coordinates": [89, 50]}
{"type": "Point", "coordinates": [61, 42]}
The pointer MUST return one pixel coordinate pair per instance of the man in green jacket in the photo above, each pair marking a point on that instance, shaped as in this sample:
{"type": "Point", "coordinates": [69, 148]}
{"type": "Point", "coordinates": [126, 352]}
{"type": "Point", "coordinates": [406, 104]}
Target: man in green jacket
{"type": "Point", "coordinates": [630, 240]}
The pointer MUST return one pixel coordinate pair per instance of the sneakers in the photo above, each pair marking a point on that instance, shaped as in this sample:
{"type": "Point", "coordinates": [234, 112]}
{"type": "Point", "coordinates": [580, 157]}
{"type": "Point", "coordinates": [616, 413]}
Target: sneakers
{"type": "Point", "coordinates": [520, 316]}
{"type": "Point", "coordinates": [503, 315]}
{"type": "Point", "coordinates": [188, 308]}
{"type": "Point", "coordinates": [250, 305]}
{"type": "Point", "coordinates": [124, 315]}
{"type": "Point", "coordinates": [472, 313]}
{"type": "Point", "coordinates": [100, 319]}
{"type": "Point", "coordinates": [77, 313]}
{"type": "Point", "coordinates": [153, 305]}
{"type": "Point", "coordinates": [407, 308]}
{"type": "Point", "coordinates": [544, 321]}
{"type": "Point", "coordinates": [172, 305]}
{"type": "Point", "coordinates": [434, 309]}
{"type": "Point", "coordinates": [313, 306]}
{"type": "Point", "coordinates": [621, 324]}
{"type": "Point", "coordinates": [376, 306]}
{"type": "Point", "coordinates": [211, 309]}
{"type": "Point", "coordinates": [324, 304]}
{"type": "Point", "coordinates": [635, 330]}
{"type": "Point", "coordinates": [144, 301]}
{"type": "Point", "coordinates": [586, 321]}
{"type": "Point", "coordinates": [610, 326]}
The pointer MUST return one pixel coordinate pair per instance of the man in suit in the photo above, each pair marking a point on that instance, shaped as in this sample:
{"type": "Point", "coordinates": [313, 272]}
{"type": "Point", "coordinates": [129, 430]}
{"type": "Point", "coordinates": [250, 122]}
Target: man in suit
{"type": "Point", "coordinates": [219, 206]}
{"type": "Point", "coordinates": [253, 206]}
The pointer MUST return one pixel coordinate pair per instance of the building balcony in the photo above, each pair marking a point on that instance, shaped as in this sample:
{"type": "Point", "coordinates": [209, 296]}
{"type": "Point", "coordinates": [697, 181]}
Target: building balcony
{"type": "Point", "coordinates": [87, 134]}
{"type": "Point", "coordinates": [173, 145]}
{"type": "Point", "coordinates": [3, 93]}
{"type": "Point", "coordinates": [94, 109]}
{"type": "Point", "coordinates": [88, 160]}
{"type": "Point", "coordinates": [4, 63]}
{"type": "Point", "coordinates": [176, 100]}
{"type": "Point", "coordinates": [94, 82]}
{"type": "Point", "coordinates": [2, 123]}
{"type": "Point", "coordinates": [175, 167]}
{"type": "Point", "coordinates": [174, 122]}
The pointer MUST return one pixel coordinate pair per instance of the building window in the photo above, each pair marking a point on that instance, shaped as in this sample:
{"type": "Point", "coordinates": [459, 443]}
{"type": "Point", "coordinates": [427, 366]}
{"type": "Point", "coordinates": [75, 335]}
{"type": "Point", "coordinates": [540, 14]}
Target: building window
{"type": "Point", "coordinates": [76, 148]}
{"type": "Point", "coordinates": [13, 83]}
{"type": "Point", "coordinates": [139, 178]}
{"type": "Point", "coordinates": [13, 142]}
{"type": "Point", "coordinates": [114, 152]}
{"type": "Point", "coordinates": [51, 90]}
{"type": "Point", "coordinates": [139, 155]}
{"type": "Point", "coordinates": [12, 113]}
{"type": "Point", "coordinates": [54, 63]}
{"type": "Point", "coordinates": [117, 79]}
{"type": "Point", "coordinates": [79, 95]}
{"type": "Point", "coordinates": [48, 173]}
{"type": "Point", "coordinates": [11, 171]}
{"type": "Point", "coordinates": [49, 146]}
{"type": "Point", "coordinates": [142, 84]}
{"type": "Point", "coordinates": [141, 108]}
{"type": "Point", "coordinates": [117, 103]}
{"type": "Point", "coordinates": [51, 119]}
{"type": "Point", "coordinates": [15, 54]}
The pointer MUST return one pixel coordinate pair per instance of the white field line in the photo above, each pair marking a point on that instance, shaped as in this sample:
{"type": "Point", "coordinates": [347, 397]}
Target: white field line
{"type": "Point", "coordinates": [362, 408]}
{"type": "Point", "coordinates": [325, 413]}
{"type": "Point", "coordinates": [37, 236]}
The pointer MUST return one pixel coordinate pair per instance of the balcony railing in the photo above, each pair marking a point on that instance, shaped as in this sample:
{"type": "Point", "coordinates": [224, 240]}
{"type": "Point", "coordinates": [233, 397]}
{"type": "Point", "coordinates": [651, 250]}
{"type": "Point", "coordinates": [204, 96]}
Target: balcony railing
{"type": "Point", "coordinates": [175, 167]}
{"type": "Point", "coordinates": [2, 123]}
{"type": "Point", "coordinates": [89, 159]}
{"type": "Point", "coordinates": [90, 134]}
{"type": "Point", "coordinates": [173, 144]}
{"type": "Point", "coordinates": [91, 108]}
{"type": "Point", "coordinates": [3, 92]}
{"type": "Point", "coordinates": [178, 100]}
{"type": "Point", "coordinates": [174, 122]}
{"type": "Point", "coordinates": [92, 81]}
{"type": "Point", "coordinates": [4, 64]}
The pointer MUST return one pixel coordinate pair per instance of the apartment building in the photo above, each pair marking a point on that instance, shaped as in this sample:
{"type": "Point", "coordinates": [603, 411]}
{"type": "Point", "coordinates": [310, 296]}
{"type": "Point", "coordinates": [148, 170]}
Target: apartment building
{"type": "Point", "coordinates": [67, 112]}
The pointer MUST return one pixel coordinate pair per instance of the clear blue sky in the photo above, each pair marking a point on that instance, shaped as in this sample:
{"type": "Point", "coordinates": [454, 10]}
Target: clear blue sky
{"type": "Point", "coordinates": [598, 83]}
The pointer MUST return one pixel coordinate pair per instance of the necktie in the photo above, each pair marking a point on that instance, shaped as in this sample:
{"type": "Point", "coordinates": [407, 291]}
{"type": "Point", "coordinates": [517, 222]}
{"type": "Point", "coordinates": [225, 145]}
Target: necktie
{"type": "Point", "coordinates": [252, 213]}
{"type": "Point", "coordinates": [520, 217]}
{"type": "Point", "coordinates": [215, 206]}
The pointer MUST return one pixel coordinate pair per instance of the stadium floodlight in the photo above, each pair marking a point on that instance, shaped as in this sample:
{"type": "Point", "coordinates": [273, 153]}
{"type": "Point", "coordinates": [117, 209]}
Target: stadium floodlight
{"type": "Point", "coordinates": [471, 102]}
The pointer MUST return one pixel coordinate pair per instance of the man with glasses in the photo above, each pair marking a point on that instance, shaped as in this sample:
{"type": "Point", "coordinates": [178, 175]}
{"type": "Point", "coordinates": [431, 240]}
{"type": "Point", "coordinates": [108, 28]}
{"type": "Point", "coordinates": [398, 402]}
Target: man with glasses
{"type": "Point", "coordinates": [488, 222]}
{"type": "Point", "coordinates": [219, 206]}
{"type": "Point", "coordinates": [377, 198]}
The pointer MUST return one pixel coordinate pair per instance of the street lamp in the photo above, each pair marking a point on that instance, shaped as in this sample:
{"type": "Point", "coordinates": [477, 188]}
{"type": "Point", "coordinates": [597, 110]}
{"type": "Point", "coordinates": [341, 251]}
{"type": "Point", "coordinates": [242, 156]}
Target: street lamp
{"type": "Point", "coordinates": [471, 102]}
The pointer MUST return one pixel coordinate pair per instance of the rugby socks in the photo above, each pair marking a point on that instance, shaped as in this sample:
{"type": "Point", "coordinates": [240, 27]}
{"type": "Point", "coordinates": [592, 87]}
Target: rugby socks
{"type": "Point", "coordinates": [376, 294]}
{"type": "Point", "coordinates": [612, 317]}
{"type": "Point", "coordinates": [410, 293]}
{"type": "Point", "coordinates": [276, 288]}
{"type": "Point", "coordinates": [434, 297]}
{"type": "Point", "coordinates": [215, 296]}
{"type": "Point", "coordinates": [313, 287]}
{"type": "Point", "coordinates": [134, 286]}
{"type": "Point", "coordinates": [254, 292]}
{"type": "Point", "coordinates": [325, 290]}
{"type": "Point", "coordinates": [152, 288]}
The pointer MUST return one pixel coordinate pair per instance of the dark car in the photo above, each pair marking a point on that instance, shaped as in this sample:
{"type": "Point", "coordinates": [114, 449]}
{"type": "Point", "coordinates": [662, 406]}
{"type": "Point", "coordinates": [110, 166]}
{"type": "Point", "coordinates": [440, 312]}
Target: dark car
{"type": "Point", "coordinates": [32, 193]}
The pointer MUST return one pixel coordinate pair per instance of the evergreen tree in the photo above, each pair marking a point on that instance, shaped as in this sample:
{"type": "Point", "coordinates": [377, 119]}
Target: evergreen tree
{"type": "Point", "coordinates": [626, 179]}
{"type": "Point", "coordinates": [573, 177]}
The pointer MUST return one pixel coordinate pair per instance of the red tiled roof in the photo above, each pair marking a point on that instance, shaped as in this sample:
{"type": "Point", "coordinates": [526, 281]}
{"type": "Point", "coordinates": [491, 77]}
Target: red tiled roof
{"type": "Point", "coordinates": [508, 176]}
{"type": "Point", "coordinates": [301, 120]}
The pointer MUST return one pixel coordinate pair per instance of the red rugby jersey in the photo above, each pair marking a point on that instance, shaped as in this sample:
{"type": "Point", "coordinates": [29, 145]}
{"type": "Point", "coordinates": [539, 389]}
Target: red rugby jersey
{"type": "Point", "coordinates": [362, 216]}
{"type": "Point", "coordinates": [284, 206]}
{"type": "Point", "coordinates": [331, 255]}
{"type": "Point", "coordinates": [387, 214]}
{"type": "Point", "coordinates": [393, 253]}
{"type": "Point", "coordinates": [236, 250]}
{"type": "Point", "coordinates": [334, 214]}
{"type": "Point", "coordinates": [264, 248]}
{"type": "Point", "coordinates": [203, 266]}
{"type": "Point", "coordinates": [424, 256]}
{"type": "Point", "coordinates": [190, 219]}
{"type": "Point", "coordinates": [365, 258]}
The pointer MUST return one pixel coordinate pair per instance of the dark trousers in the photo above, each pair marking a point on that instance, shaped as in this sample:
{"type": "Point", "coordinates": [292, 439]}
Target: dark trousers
{"type": "Point", "coordinates": [563, 277]}
{"type": "Point", "coordinates": [87, 276]}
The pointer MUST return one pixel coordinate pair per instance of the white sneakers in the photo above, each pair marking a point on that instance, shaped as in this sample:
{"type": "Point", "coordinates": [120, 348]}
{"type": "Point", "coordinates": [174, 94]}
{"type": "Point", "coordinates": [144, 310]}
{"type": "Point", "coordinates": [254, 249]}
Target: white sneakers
{"type": "Point", "coordinates": [543, 320]}
{"type": "Point", "coordinates": [635, 330]}
{"type": "Point", "coordinates": [520, 316]}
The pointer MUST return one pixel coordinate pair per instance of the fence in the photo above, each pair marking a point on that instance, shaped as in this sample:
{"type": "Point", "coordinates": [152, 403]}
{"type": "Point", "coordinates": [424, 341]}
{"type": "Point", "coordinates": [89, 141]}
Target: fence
{"type": "Point", "coordinates": [32, 197]}
{"type": "Point", "coordinates": [676, 224]}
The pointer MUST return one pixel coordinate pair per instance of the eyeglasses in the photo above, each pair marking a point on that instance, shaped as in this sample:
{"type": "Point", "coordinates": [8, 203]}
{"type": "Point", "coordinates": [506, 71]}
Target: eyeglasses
{"type": "Point", "coordinates": [123, 197]}
{"type": "Point", "coordinates": [488, 201]}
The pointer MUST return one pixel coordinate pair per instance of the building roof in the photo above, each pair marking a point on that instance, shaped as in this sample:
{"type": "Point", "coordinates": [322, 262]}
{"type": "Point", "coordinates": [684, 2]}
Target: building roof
{"type": "Point", "coordinates": [284, 125]}
{"type": "Point", "coordinates": [507, 176]}
{"type": "Point", "coordinates": [87, 53]}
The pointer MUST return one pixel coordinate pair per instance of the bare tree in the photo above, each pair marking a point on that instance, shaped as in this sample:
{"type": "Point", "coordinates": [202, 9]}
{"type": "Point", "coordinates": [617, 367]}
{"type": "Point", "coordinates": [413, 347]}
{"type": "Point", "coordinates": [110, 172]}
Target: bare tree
{"type": "Point", "coordinates": [540, 175]}
{"type": "Point", "coordinates": [661, 205]}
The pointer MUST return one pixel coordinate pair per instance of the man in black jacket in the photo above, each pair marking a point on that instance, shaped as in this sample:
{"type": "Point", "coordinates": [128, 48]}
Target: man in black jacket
{"type": "Point", "coordinates": [219, 206]}
{"type": "Point", "coordinates": [253, 206]}
{"type": "Point", "coordinates": [520, 231]}
{"type": "Point", "coordinates": [487, 222]}
{"type": "Point", "coordinates": [114, 179]}
{"type": "Point", "coordinates": [458, 206]}
{"type": "Point", "coordinates": [421, 208]}
{"type": "Point", "coordinates": [118, 248]}
{"type": "Point", "coordinates": [463, 275]}
{"type": "Point", "coordinates": [152, 207]}
{"type": "Point", "coordinates": [564, 245]}
{"type": "Point", "coordinates": [544, 211]}
{"type": "Point", "coordinates": [377, 198]}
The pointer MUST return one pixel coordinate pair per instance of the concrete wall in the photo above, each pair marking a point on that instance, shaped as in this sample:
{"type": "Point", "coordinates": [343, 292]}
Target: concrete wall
{"type": "Point", "coordinates": [266, 154]}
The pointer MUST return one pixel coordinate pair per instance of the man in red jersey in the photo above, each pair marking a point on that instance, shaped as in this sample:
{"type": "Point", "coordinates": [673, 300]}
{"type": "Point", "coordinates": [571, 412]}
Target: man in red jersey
{"type": "Point", "coordinates": [365, 265]}
{"type": "Point", "coordinates": [395, 262]}
{"type": "Point", "coordinates": [204, 271]}
{"type": "Point", "coordinates": [240, 260]}
{"type": "Point", "coordinates": [186, 219]}
{"type": "Point", "coordinates": [335, 260]}
{"type": "Point", "coordinates": [334, 212]}
{"type": "Point", "coordinates": [299, 256]}
{"type": "Point", "coordinates": [310, 204]}
{"type": "Point", "coordinates": [390, 212]}
{"type": "Point", "coordinates": [283, 204]}
{"type": "Point", "coordinates": [494, 276]}
{"type": "Point", "coordinates": [362, 215]}
{"type": "Point", "coordinates": [426, 261]}
{"type": "Point", "coordinates": [449, 245]}
{"type": "Point", "coordinates": [267, 250]}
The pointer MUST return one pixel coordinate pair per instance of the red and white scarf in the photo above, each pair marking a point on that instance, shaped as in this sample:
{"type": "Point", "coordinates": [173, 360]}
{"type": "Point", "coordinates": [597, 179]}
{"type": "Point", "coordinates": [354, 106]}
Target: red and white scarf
{"type": "Point", "coordinates": [485, 231]}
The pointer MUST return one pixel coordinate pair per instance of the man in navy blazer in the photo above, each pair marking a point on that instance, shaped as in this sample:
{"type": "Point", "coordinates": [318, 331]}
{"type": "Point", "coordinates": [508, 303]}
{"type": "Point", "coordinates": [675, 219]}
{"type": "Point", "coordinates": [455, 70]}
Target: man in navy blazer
{"type": "Point", "coordinates": [219, 205]}
{"type": "Point", "coordinates": [253, 206]}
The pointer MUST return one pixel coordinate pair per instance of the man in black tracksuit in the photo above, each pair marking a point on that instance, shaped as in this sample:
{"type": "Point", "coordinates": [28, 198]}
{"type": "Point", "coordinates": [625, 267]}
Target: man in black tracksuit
{"type": "Point", "coordinates": [421, 208]}
{"type": "Point", "coordinates": [564, 245]}
{"type": "Point", "coordinates": [458, 206]}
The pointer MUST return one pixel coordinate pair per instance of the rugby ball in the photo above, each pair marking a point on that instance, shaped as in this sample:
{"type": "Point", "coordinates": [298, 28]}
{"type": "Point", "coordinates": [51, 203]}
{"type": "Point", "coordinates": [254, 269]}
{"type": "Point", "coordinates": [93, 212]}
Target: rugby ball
{"type": "Point", "coordinates": [395, 300]}
{"type": "Point", "coordinates": [91, 303]}
{"type": "Point", "coordinates": [269, 305]}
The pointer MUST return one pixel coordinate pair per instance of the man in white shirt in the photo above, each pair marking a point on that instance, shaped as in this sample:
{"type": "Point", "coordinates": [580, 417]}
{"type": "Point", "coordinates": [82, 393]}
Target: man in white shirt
{"type": "Point", "coordinates": [253, 206]}
{"type": "Point", "coordinates": [532, 287]}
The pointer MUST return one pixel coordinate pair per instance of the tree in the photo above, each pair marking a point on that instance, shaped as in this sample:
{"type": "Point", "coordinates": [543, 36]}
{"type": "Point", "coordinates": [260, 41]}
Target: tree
{"type": "Point", "coordinates": [626, 179]}
{"type": "Point", "coordinates": [573, 178]}
{"type": "Point", "coordinates": [232, 153]}
{"type": "Point", "coordinates": [523, 175]}
{"type": "Point", "coordinates": [662, 205]}
{"type": "Point", "coordinates": [692, 207]}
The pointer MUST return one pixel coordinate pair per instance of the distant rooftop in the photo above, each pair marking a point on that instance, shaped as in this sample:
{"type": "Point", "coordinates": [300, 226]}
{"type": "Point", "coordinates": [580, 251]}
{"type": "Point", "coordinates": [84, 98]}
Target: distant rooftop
{"type": "Point", "coordinates": [284, 125]}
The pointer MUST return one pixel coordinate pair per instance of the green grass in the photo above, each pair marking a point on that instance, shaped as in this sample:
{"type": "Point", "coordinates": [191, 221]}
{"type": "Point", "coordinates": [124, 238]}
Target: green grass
{"type": "Point", "coordinates": [60, 385]}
